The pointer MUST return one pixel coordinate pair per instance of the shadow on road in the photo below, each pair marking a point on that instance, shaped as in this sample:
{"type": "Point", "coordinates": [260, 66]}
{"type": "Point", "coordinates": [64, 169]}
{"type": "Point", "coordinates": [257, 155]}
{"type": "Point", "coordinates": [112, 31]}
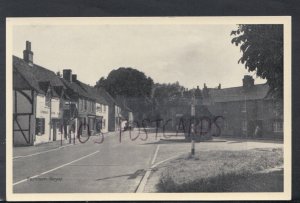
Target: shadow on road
{"type": "Point", "coordinates": [139, 172]}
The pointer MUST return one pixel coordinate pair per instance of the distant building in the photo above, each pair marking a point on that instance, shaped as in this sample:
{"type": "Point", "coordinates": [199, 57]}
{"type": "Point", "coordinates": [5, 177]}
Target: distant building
{"type": "Point", "coordinates": [179, 109]}
{"type": "Point", "coordinates": [248, 110]}
{"type": "Point", "coordinates": [99, 119]}
{"type": "Point", "coordinates": [114, 110]}
{"type": "Point", "coordinates": [126, 113]}
{"type": "Point", "coordinates": [86, 112]}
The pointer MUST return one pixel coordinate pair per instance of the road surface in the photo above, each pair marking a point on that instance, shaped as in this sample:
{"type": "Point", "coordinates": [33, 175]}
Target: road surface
{"type": "Point", "coordinates": [111, 166]}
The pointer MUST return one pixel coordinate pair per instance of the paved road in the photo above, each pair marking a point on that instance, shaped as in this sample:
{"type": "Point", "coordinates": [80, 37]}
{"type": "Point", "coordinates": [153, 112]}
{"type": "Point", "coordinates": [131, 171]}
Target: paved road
{"type": "Point", "coordinates": [112, 166]}
{"type": "Point", "coordinates": [108, 167]}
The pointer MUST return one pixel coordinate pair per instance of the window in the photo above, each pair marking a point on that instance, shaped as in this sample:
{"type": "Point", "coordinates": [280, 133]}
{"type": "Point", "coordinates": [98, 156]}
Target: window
{"type": "Point", "coordinates": [85, 104]}
{"type": "Point", "coordinates": [243, 107]}
{"type": "Point", "coordinates": [244, 125]}
{"type": "Point", "coordinates": [90, 106]}
{"type": "Point", "coordinates": [40, 126]}
{"type": "Point", "coordinates": [61, 104]}
{"type": "Point", "coordinates": [277, 126]}
{"type": "Point", "coordinates": [277, 109]}
{"type": "Point", "coordinates": [80, 104]}
{"type": "Point", "coordinates": [48, 100]}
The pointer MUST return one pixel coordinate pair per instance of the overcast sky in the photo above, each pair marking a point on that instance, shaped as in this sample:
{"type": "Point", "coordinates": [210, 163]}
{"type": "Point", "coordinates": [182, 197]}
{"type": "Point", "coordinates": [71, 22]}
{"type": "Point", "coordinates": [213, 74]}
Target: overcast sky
{"type": "Point", "coordinates": [190, 54]}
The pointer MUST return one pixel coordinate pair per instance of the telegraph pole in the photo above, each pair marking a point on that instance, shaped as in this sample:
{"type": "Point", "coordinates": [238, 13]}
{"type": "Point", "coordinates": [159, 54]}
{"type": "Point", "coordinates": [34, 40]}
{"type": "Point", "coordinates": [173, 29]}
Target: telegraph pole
{"type": "Point", "coordinates": [193, 113]}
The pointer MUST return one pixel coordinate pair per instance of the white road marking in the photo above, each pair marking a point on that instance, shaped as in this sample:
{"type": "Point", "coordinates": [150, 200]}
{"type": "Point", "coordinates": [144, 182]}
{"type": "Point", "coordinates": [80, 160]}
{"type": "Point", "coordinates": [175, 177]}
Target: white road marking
{"type": "Point", "coordinates": [24, 180]}
{"type": "Point", "coordinates": [144, 180]}
{"type": "Point", "coordinates": [172, 157]}
{"type": "Point", "coordinates": [30, 155]}
{"type": "Point", "coordinates": [155, 155]}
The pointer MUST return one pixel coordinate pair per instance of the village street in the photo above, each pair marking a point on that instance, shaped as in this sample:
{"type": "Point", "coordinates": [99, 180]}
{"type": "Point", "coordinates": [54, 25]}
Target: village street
{"type": "Point", "coordinates": [111, 166]}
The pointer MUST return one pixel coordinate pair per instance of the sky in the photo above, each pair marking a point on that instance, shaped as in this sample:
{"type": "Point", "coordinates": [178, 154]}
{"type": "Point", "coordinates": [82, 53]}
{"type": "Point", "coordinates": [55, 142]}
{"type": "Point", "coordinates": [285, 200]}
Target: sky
{"type": "Point", "coordinates": [190, 54]}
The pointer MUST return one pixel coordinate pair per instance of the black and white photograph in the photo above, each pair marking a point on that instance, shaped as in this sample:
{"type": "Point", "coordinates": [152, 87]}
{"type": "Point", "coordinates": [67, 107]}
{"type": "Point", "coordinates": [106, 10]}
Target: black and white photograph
{"type": "Point", "coordinates": [149, 108]}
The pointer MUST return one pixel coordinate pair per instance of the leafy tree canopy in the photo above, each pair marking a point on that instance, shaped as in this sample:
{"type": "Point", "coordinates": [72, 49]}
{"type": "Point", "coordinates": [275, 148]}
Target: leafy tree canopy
{"type": "Point", "coordinates": [162, 92]}
{"type": "Point", "coordinates": [127, 82]}
{"type": "Point", "coordinates": [262, 48]}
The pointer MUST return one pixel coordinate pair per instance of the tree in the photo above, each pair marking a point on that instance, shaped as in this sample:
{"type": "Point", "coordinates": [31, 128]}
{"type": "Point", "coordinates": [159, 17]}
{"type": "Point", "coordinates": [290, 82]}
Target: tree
{"type": "Point", "coordinates": [127, 82]}
{"type": "Point", "coordinates": [163, 92]}
{"type": "Point", "coordinates": [100, 82]}
{"type": "Point", "coordinates": [262, 48]}
{"type": "Point", "coordinates": [131, 87]}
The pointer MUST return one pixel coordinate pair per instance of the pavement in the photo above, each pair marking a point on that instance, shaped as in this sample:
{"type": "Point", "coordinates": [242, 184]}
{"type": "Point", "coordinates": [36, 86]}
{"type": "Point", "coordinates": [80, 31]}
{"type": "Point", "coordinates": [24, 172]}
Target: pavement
{"type": "Point", "coordinates": [115, 165]}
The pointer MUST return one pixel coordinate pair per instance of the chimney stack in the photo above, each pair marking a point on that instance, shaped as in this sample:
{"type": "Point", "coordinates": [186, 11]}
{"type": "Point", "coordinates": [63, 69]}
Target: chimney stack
{"type": "Point", "coordinates": [248, 81]}
{"type": "Point", "coordinates": [67, 75]}
{"type": "Point", "coordinates": [74, 77]}
{"type": "Point", "coordinates": [28, 54]}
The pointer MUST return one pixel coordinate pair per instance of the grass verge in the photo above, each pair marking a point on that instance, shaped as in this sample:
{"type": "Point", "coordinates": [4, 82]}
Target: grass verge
{"type": "Point", "coordinates": [224, 171]}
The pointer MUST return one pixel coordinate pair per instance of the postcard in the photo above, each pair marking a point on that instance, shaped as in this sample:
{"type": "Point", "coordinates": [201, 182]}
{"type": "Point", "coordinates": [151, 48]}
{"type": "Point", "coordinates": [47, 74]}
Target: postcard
{"type": "Point", "coordinates": [148, 108]}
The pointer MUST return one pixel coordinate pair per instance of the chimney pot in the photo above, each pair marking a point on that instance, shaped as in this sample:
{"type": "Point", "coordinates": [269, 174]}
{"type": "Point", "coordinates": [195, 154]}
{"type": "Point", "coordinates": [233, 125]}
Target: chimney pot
{"type": "Point", "coordinates": [74, 77]}
{"type": "Point", "coordinates": [28, 54]}
{"type": "Point", "coordinates": [67, 75]}
{"type": "Point", "coordinates": [28, 45]}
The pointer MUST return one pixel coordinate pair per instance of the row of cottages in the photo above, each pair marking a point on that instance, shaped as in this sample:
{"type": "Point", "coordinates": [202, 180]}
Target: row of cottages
{"type": "Point", "coordinates": [248, 110]}
{"type": "Point", "coordinates": [48, 107]}
{"type": "Point", "coordinates": [86, 112]}
{"type": "Point", "coordinates": [114, 111]}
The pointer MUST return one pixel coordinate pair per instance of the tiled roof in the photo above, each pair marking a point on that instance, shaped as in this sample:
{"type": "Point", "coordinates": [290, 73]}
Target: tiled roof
{"type": "Point", "coordinates": [74, 89]}
{"type": "Point", "coordinates": [92, 92]}
{"type": "Point", "coordinates": [24, 79]}
{"type": "Point", "coordinates": [237, 94]}
{"type": "Point", "coordinates": [39, 79]}
{"type": "Point", "coordinates": [109, 99]}
{"type": "Point", "coordinates": [36, 76]}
